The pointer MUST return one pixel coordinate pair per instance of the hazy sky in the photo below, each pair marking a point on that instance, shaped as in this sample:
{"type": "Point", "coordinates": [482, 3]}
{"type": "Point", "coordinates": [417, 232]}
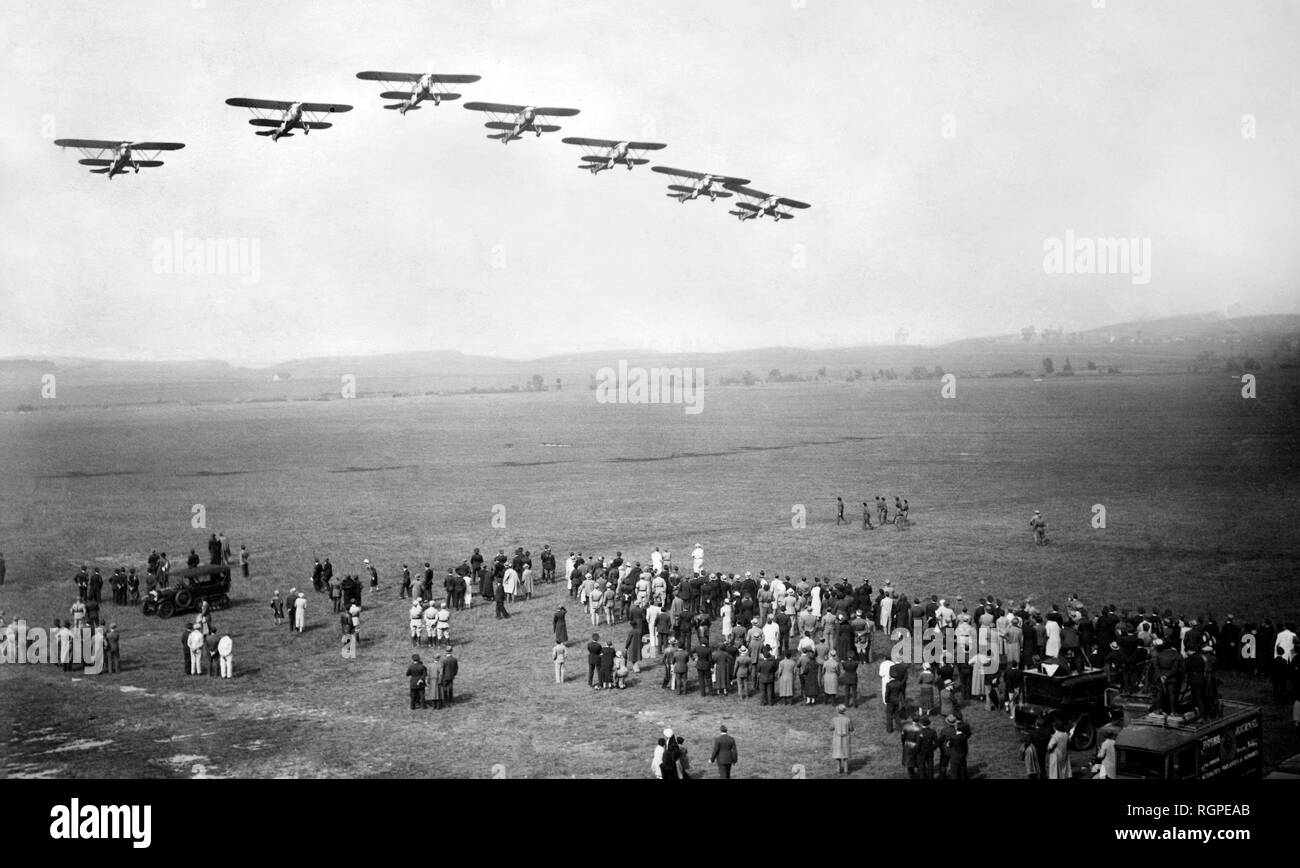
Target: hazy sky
{"type": "Point", "coordinates": [939, 143]}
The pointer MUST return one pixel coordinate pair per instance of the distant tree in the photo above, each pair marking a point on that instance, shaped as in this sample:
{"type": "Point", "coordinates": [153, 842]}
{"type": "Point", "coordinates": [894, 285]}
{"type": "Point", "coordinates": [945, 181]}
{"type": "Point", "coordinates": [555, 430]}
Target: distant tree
{"type": "Point", "coordinates": [1068, 367]}
{"type": "Point", "coordinates": [938, 372]}
{"type": "Point", "coordinates": [1027, 333]}
{"type": "Point", "coordinates": [1048, 367]}
{"type": "Point", "coordinates": [748, 379]}
{"type": "Point", "coordinates": [557, 384]}
{"type": "Point", "coordinates": [774, 375]}
{"type": "Point", "coordinates": [821, 372]}
{"type": "Point", "coordinates": [536, 383]}
{"type": "Point", "coordinates": [1092, 366]}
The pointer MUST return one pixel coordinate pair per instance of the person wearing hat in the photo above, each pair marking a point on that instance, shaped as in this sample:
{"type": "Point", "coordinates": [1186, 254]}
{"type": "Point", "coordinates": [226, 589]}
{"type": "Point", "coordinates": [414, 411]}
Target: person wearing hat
{"type": "Point", "coordinates": [926, 741]}
{"type": "Point", "coordinates": [725, 754]}
{"type": "Point", "coordinates": [1167, 676]}
{"type": "Point", "coordinates": [113, 642]}
{"type": "Point", "coordinates": [447, 676]}
{"type": "Point", "coordinates": [593, 660]}
{"type": "Point", "coordinates": [417, 672]}
{"type": "Point", "coordinates": [1039, 526]}
{"type": "Point", "coordinates": [841, 739]}
{"type": "Point", "coordinates": [1058, 752]}
{"type": "Point", "coordinates": [300, 612]}
{"type": "Point", "coordinates": [226, 650]}
{"type": "Point", "coordinates": [670, 761]}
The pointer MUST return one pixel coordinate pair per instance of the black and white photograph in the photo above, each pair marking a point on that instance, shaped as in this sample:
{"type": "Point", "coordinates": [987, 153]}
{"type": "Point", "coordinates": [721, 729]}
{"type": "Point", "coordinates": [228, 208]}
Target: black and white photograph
{"type": "Point", "coordinates": [542, 389]}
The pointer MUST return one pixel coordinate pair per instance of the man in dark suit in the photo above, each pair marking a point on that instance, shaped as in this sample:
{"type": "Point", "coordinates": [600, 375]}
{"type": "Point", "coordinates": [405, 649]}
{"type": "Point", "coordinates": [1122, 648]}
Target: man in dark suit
{"type": "Point", "coordinates": [766, 668]}
{"type": "Point", "coordinates": [593, 660]}
{"type": "Point", "coordinates": [417, 672]}
{"type": "Point", "coordinates": [211, 654]}
{"type": "Point", "coordinates": [724, 753]}
{"type": "Point", "coordinates": [450, 667]}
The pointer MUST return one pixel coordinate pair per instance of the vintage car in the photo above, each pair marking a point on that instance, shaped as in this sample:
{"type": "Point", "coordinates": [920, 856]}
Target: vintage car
{"type": "Point", "coordinates": [1085, 701]}
{"type": "Point", "coordinates": [188, 588]}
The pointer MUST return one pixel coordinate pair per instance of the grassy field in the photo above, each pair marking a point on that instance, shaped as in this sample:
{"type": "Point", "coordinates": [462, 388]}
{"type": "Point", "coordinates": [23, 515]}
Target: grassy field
{"type": "Point", "coordinates": [1197, 484]}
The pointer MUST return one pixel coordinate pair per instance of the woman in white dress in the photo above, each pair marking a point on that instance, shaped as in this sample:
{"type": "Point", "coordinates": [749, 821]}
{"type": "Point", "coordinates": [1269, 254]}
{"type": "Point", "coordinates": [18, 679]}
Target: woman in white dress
{"type": "Point", "coordinates": [726, 619]}
{"type": "Point", "coordinates": [1053, 627]}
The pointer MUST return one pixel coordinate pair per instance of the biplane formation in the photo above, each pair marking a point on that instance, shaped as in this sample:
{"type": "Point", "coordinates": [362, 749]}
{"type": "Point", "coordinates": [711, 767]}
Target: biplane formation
{"type": "Point", "coordinates": [405, 92]}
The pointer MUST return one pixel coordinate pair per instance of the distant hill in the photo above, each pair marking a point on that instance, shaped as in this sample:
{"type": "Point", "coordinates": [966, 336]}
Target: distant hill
{"type": "Point", "coordinates": [1172, 344]}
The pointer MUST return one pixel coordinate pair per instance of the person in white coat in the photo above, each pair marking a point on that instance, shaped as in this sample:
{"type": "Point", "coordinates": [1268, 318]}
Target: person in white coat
{"type": "Point", "coordinates": [697, 558]}
{"type": "Point", "coordinates": [510, 582]}
{"type": "Point", "coordinates": [656, 560]}
{"type": "Point", "coordinates": [300, 612]}
{"type": "Point", "coordinates": [772, 636]}
{"type": "Point", "coordinates": [1286, 641]}
{"type": "Point", "coordinates": [885, 666]}
{"type": "Point", "coordinates": [195, 643]}
{"type": "Point", "coordinates": [1053, 645]}
{"type": "Point", "coordinates": [886, 612]}
{"type": "Point", "coordinates": [226, 648]}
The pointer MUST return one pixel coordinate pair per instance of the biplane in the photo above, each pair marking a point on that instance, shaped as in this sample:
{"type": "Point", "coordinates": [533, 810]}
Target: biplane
{"type": "Point", "coordinates": [602, 154]}
{"type": "Point", "coordinates": [115, 157]}
{"type": "Point", "coordinates": [418, 87]}
{"type": "Point", "coordinates": [524, 118]}
{"type": "Point", "coordinates": [759, 204]}
{"type": "Point", "coordinates": [305, 116]}
{"type": "Point", "coordinates": [702, 184]}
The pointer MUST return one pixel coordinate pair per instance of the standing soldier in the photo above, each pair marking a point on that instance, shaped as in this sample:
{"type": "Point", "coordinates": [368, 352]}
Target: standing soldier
{"type": "Point", "coordinates": [866, 517]}
{"type": "Point", "coordinates": [374, 575]}
{"type": "Point", "coordinates": [277, 608]}
{"type": "Point", "coordinates": [243, 560]}
{"type": "Point", "coordinates": [1039, 525]}
{"type": "Point", "coordinates": [839, 511]}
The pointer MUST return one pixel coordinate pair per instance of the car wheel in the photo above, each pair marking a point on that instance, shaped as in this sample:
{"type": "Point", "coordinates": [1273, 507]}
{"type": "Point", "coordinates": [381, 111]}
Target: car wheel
{"type": "Point", "coordinates": [1085, 735]}
{"type": "Point", "coordinates": [166, 609]}
{"type": "Point", "coordinates": [183, 599]}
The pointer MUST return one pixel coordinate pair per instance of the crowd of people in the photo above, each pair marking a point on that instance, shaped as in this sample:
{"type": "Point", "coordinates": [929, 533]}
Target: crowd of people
{"type": "Point", "coordinates": [782, 640]}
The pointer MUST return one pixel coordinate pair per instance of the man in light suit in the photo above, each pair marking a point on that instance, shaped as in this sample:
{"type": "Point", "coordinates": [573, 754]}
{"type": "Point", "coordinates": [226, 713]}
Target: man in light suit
{"type": "Point", "coordinates": [724, 753]}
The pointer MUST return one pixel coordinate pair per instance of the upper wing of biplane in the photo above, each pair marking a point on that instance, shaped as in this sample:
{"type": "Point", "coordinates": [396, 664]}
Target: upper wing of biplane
{"type": "Point", "coordinates": [282, 105]}
{"type": "Point", "coordinates": [611, 143]}
{"type": "Point", "coordinates": [324, 107]}
{"type": "Point", "coordinates": [90, 144]}
{"type": "Point", "coordinates": [791, 203]}
{"type": "Point", "coordinates": [270, 104]}
{"type": "Point", "coordinates": [556, 112]}
{"type": "Point", "coordinates": [495, 107]}
{"type": "Point", "coordinates": [747, 191]}
{"type": "Point", "coordinates": [156, 146]}
{"type": "Point", "coordinates": [726, 180]}
{"type": "Point", "coordinates": [416, 76]}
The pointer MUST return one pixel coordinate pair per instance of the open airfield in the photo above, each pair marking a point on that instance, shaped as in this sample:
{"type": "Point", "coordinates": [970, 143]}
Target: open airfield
{"type": "Point", "coordinates": [1198, 486]}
